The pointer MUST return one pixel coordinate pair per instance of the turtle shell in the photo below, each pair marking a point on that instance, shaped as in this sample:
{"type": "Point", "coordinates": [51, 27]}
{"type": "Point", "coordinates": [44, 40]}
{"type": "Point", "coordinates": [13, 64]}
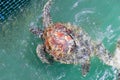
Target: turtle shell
{"type": "Point", "coordinates": [59, 40]}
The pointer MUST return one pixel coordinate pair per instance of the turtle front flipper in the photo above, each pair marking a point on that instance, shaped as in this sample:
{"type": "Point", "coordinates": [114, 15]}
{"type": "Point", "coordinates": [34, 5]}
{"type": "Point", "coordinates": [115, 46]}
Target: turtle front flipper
{"type": "Point", "coordinates": [85, 67]}
{"type": "Point", "coordinates": [41, 54]}
{"type": "Point", "coordinates": [36, 31]}
{"type": "Point", "coordinates": [46, 14]}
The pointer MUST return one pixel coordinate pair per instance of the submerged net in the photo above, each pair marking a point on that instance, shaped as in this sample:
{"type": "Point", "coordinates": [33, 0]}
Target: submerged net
{"type": "Point", "coordinates": [10, 7]}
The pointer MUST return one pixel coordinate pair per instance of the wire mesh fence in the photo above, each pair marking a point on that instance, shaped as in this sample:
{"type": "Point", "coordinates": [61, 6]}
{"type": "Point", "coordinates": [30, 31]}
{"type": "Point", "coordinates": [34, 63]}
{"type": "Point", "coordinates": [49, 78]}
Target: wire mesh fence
{"type": "Point", "coordinates": [9, 7]}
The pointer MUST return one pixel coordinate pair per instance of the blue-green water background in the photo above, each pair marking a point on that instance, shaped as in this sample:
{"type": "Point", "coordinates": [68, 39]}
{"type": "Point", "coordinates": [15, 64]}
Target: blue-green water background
{"type": "Point", "coordinates": [18, 59]}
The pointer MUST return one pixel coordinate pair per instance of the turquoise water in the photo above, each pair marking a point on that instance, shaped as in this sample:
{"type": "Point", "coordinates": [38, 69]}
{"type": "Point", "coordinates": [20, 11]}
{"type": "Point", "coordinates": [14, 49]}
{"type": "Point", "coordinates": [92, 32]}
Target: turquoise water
{"type": "Point", "coordinates": [18, 60]}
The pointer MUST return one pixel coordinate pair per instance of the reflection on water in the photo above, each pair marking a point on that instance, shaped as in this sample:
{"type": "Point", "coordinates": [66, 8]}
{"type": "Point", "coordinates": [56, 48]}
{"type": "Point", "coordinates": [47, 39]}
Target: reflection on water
{"type": "Point", "coordinates": [18, 60]}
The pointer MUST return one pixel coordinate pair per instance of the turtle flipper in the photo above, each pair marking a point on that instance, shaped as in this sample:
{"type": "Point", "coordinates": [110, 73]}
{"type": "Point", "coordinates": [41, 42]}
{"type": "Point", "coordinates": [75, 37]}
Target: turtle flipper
{"type": "Point", "coordinates": [118, 45]}
{"type": "Point", "coordinates": [85, 68]}
{"type": "Point", "coordinates": [36, 31]}
{"type": "Point", "coordinates": [41, 54]}
{"type": "Point", "coordinates": [107, 58]}
{"type": "Point", "coordinates": [116, 57]}
{"type": "Point", "coordinates": [117, 53]}
{"type": "Point", "coordinates": [46, 14]}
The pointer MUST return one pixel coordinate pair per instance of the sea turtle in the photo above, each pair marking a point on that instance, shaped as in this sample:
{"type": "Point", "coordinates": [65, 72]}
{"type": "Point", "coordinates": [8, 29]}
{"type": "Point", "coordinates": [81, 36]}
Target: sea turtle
{"type": "Point", "coordinates": [69, 44]}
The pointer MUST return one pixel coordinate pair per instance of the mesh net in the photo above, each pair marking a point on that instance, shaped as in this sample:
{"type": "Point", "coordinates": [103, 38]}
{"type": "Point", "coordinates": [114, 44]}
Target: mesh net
{"type": "Point", "coordinates": [8, 7]}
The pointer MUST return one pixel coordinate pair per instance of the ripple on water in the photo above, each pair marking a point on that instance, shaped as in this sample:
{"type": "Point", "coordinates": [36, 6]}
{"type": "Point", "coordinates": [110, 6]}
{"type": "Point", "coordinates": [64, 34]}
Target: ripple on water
{"type": "Point", "coordinates": [83, 14]}
{"type": "Point", "coordinates": [76, 4]}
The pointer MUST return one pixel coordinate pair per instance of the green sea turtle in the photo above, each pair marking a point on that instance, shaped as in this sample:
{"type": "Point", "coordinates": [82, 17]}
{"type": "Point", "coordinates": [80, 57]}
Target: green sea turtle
{"type": "Point", "coordinates": [69, 44]}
